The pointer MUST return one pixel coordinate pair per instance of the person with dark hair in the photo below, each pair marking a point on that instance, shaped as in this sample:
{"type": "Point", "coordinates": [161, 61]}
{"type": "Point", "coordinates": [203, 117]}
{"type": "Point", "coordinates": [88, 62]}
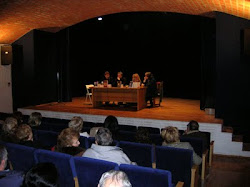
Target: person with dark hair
{"type": "Point", "coordinates": [8, 178]}
{"type": "Point", "coordinates": [19, 117]}
{"type": "Point", "coordinates": [9, 130]}
{"type": "Point", "coordinates": [35, 119]}
{"type": "Point", "coordinates": [111, 123]}
{"type": "Point", "coordinates": [143, 136]}
{"type": "Point", "coordinates": [151, 92]}
{"type": "Point", "coordinates": [193, 131]}
{"type": "Point", "coordinates": [107, 77]}
{"type": "Point", "coordinates": [42, 175]}
{"type": "Point", "coordinates": [68, 142]}
{"type": "Point", "coordinates": [103, 150]}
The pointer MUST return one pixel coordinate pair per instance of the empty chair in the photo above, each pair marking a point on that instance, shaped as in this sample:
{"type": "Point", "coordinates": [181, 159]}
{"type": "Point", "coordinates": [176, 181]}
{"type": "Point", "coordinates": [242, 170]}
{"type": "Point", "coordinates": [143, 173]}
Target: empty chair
{"type": "Point", "coordinates": [152, 130]}
{"type": "Point", "coordinates": [178, 161]}
{"type": "Point", "coordinates": [88, 92]}
{"type": "Point", "coordinates": [138, 152]}
{"type": "Point", "coordinates": [147, 177]}
{"type": "Point", "coordinates": [20, 156]}
{"type": "Point", "coordinates": [64, 164]}
{"type": "Point", "coordinates": [90, 170]}
{"type": "Point", "coordinates": [47, 138]}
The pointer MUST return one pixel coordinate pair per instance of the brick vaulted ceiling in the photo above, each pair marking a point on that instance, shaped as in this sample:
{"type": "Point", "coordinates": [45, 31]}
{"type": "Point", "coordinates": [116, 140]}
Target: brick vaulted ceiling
{"type": "Point", "coordinates": [17, 17]}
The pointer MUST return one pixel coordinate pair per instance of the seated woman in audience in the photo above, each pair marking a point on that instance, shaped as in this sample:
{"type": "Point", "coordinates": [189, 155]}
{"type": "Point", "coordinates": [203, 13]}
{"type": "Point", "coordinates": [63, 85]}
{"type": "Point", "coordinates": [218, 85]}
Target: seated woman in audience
{"type": "Point", "coordinates": [24, 135]}
{"type": "Point", "coordinates": [111, 123]}
{"type": "Point", "coordinates": [171, 138]}
{"type": "Point", "coordinates": [76, 124]}
{"type": "Point", "coordinates": [103, 150]}
{"type": "Point", "coordinates": [42, 175]}
{"type": "Point", "coordinates": [8, 131]}
{"type": "Point", "coordinates": [35, 119]}
{"type": "Point", "coordinates": [68, 142]}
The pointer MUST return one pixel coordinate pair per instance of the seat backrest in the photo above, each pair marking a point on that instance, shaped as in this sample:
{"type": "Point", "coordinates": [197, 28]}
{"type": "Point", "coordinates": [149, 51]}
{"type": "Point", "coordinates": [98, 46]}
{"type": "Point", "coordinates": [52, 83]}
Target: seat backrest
{"type": "Point", "coordinates": [127, 136]}
{"type": "Point", "coordinates": [138, 152]}
{"type": "Point", "coordinates": [63, 162]}
{"type": "Point", "coordinates": [127, 128]}
{"type": "Point", "coordinates": [156, 139]}
{"type": "Point", "coordinates": [152, 130]}
{"type": "Point", "coordinates": [89, 171]}
{"type": "Point", "coordinates": [20, 156]}
{"type": "Point", "coordinates": [147, 177]}
{"type": "Point", "coordinates": [178, 161]}
{"type": "Point", "coordinates": [88, 87]}
{"type": "Point", "coordinates": [47, 138]}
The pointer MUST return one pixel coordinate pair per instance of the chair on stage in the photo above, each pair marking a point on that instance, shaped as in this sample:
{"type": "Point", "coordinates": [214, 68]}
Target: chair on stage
{"type": "Point", "coordinates": [88, 92]}
{"type": "Point", "coordinates": [159, 95]}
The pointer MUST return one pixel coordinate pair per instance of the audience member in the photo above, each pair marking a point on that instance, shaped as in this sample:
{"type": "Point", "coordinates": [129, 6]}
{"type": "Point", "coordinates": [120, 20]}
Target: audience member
{"type": "Point", "coordinates": [35, 119]}
{"type": "Point", "coordinates": [150, 83]}
{"type": "Point", "coordinates": [193, 131]}
{"type": "Point", "coordinates": [24, 136]}
{"type": "Point", "coordinates": [76, 124]}
{"type": "Point", "coordinates": [143, 136]}
{"type": "Point", "coordinates": [171, 138]}
{"type": "Point", "coordinates": [11, 120]}
{"type": "Point", "coordinates": [19, 117]}
{"type": "Point", "coordinates": [42, 175]}
{"type": "Point", "coordinates": [9, 130]}
{"type": "Point", "coordinates": [68, 142]}
{"type": "Point", "coordinates": [114, 178]}
{"type": "Point", "coordinates": [8, 178]}
{"type": "Point", "coordinates": [111, 123]}
{"type": "Point", "coordinates": [103, 150]}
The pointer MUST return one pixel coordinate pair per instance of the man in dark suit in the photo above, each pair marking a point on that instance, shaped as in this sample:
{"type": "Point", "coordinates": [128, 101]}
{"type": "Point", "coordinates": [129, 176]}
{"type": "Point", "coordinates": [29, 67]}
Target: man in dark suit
{"type": "Point", "coordinates": [193, 131]}
{"type": "Point", "coordinates": [8, 177]}
{"type": "Point", "coordinates": [108, 78]}
{"type": "Point", "coordinates": [120, 79]}
{"type": "Point", "coordinates": [150, 82]}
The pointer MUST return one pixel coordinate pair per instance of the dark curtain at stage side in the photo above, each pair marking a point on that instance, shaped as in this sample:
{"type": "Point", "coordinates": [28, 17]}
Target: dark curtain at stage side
{"type": "Point", "coordinates": [208, 63]}
{"type": "Point", "coordinates": [63, 79]}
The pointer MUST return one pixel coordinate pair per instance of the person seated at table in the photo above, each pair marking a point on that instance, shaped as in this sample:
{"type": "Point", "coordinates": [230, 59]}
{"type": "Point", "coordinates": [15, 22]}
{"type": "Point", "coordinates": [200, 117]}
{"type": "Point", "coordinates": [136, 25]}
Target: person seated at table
{"type": "Point", "coordinates": [171, 138]}
{"type": "Point", "coordinates": [76, 123]}
{"type": "Point", "coordinates": [68, 142]}
{"type": "Point", "coordinates": [103, 150]}
{"type": "Point", "coordinates": [151, 92]}
{"type": "Point", "coordinates": [24, 135]}
{"type": "Point", "coordinates": [120, 79]}
{"type": "Point", "coordinates": [136, 81]}
{"type": "Point", "coordinates": [108, 78]}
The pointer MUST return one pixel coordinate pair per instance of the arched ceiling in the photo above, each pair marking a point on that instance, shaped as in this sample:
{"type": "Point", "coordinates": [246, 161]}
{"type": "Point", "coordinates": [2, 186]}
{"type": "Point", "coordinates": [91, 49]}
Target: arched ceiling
{"type": "Point", "coordinates": [17, 17]}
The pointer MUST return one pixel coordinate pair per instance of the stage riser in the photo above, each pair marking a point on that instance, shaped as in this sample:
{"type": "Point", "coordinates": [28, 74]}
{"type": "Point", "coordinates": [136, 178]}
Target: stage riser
{"type": "Point", "coordinates": [223, 140]}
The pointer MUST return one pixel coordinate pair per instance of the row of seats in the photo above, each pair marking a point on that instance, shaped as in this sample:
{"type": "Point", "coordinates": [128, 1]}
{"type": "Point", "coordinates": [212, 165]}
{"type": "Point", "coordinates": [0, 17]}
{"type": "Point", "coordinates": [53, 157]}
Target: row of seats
{"type": "Point", "coordinates": [147, 155]}
{"type": "Point", "coordinates": [81, 171]}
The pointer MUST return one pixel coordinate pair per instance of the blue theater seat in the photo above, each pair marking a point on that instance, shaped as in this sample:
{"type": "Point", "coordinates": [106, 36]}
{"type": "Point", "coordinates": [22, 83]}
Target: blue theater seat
{"type": "Point", "coordinates": [20, 156]}
{"type": "Point", "coordinates": [89, 170]}
{"type": "Point", "coordinates": [64, 164]}
{"type": "Point", "coordinates": [46, 138]}
{"type": "Point", "coordinates": [138, 152]}
{"type": "Point", "coordinates": [130, 128]}
{"type": "Point", "coordinates": [178, 161]}
{"type": "Point", "coordinates": [151, 130]}
{"type": "Point", "coordinates": [127, 136]}
{"type": "Point", "coordinates": [147, 177]}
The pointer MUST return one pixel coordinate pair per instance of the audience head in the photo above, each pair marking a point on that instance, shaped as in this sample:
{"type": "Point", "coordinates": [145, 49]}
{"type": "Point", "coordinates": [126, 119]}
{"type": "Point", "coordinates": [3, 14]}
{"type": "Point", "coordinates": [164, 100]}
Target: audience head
{"type": "Point", "coordinates": [192, 126]}
{"type": "Point", "coordinates": [107, 75]}
{"type": "Point", "coordinates": [42, 175]}
{"type": "Point", "coordinates": [111, 123]}
{"type": "Point", "coordinates": [170, 134]}
{"type": "Point", "coordinates": [35, 119]}
{"type": "Point", "coordinates": [136, 77]}
{"type": "Point", "coordinates": [18, 115]}
{"type": "Point", "coordinates": [119, 74]}
{"type": "Point", "coordinates": [68, 138]}
{"type": "Point", "coordinates": [24, 133]}
{"type": "Point", "coordinates": [76, 123]}
{"type": "Point", "coordinates": [114, 178]}
{"type": "Point", "coordinates": [11, 120]}
{"type": "Point", "coordinates": [9, 127]}
{"type": "Point", "coordinates": [103, 137]}
{"type": "Point", "coordinates": [143, 136]}
{"type": "Point", "coordinates": [3, 157]}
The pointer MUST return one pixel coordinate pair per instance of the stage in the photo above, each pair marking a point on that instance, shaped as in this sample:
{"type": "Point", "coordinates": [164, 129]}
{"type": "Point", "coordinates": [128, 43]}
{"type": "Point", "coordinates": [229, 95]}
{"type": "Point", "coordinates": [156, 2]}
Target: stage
{"type": "Point", "coordinates": [173, 109]}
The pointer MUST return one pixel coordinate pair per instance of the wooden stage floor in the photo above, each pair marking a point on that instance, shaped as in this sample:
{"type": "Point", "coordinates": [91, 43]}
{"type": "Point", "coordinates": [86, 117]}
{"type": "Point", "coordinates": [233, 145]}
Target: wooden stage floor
{"type": "Point", "coordinates": [174, 109]}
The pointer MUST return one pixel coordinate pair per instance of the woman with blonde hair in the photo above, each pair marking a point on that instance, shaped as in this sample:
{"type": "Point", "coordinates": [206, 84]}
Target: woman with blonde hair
{"type": "Point", "coordinates": [68, 142]}
{"type": "Point", "coordinates": [76, 123]}
{"type": "Point", "coordinates": [171, 138]}
{"type": "Point", "coordinates": [136, 81]}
